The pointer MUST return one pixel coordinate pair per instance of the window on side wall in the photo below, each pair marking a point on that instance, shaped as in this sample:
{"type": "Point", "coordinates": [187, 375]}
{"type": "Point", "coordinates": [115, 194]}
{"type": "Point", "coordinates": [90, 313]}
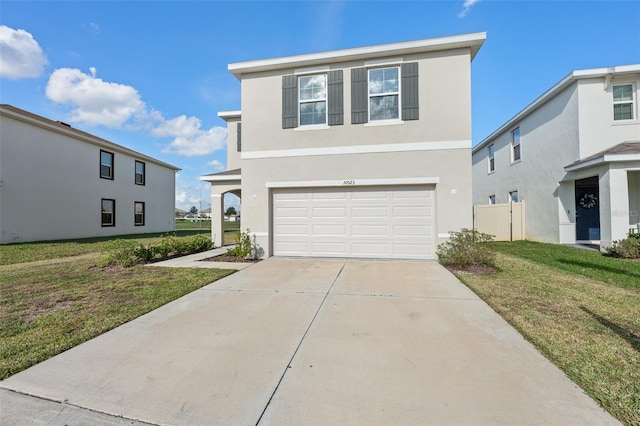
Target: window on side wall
{"type": "Point", "coordinates": [384, 93]}
{"type": "Point", "coordinates": [140, 173]}
{"type": "Point", "coordinates": [515, 145]}
{"type": "Point", "coordinates": [623, 108]}
{"type": "Point", "coordinates": [108, 212]}
{"type": "Point", "coordinates": [492, 199]}
{"type": "Point", "coordinates": [312, 97]}
{"type": "Point", "coordinates": [138, 213]}
{"type": "Point", "coordinates": [492, 158]}
{"type": "Point", "coordinates": [513, 196]}
{"type": "Point", "coordinates": [106, 165]}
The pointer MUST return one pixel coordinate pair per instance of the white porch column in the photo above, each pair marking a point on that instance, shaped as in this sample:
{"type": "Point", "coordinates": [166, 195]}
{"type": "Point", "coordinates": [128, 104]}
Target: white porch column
{"type": "Point", "coordinates": [217, 219]}
{"type": "Point", "coordinates": [614, 206]}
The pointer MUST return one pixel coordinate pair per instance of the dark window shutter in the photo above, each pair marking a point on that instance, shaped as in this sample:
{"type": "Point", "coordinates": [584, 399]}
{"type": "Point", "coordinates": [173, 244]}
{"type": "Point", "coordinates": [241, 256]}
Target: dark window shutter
{"type": "Point", "coordinates": [359, 97]}
{"type": "Point", "coordinates": [289, 101]}
{"type": "Point", "coordinates": [410, 91]}
{"type": "Point", "coordinates": [336, 98]}
{"type": "Point", "coordinates": [239, 136]}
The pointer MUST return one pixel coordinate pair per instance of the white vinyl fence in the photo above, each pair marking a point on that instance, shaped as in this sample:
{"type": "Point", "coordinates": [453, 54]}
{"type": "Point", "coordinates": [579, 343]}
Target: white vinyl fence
{"type": "Point", "coordinates": [504, 221]}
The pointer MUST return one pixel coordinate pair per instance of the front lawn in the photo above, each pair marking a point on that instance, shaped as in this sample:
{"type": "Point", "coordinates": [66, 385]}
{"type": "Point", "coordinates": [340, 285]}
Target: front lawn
{"type": "Point", "coordinates": [580, 309]}
{"type": "Point", "coordinates": [55, 295]}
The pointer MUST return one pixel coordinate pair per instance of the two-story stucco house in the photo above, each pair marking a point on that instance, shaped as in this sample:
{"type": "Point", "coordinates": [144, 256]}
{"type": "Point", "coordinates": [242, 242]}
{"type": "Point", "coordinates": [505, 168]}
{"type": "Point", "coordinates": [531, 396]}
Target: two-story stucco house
{"type": "Point", "coordinates": [573, 155]}
{"type": "Point", "coordinates": [363, 152]}
{"type": "Point", "coordinates": [57, 182]}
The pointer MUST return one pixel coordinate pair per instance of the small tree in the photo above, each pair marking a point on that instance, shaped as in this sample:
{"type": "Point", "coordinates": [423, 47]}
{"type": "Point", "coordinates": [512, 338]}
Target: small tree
{"type": "Point", "coordinates": [231, 210]}
{"type": "Point", "coordinates": [193, 210]}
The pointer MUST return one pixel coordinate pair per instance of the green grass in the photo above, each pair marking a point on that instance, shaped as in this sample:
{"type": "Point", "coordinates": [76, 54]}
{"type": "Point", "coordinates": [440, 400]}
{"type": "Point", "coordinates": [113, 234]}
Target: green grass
{"type": "Point", "coordinates": [62, 297]}
{"type": "Point", "coordinates": [588, 263]}
{"type": "Point", "coordinates": [580, 309]}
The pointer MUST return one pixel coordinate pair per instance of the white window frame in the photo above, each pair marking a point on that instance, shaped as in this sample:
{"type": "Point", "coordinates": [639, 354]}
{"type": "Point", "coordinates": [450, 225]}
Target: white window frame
{"type": "Point", "coordinates": [307, 101]}
{"type": "Point", "coordinates": [632, 102]}
{"type": "Point", "coordinates": [378, 95]}
{"type": "Point", "coordinates": [514, 145]}
{"type": "Point", "coordinates": [491, 158]}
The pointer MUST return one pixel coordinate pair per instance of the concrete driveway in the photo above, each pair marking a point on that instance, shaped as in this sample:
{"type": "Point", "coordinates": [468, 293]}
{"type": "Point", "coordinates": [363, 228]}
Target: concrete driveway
{"type": "Point", "coordinates": [301, 342]}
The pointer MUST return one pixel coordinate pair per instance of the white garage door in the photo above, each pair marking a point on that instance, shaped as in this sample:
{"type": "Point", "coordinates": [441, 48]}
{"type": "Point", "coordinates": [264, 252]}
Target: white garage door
{"type": "Point", "coordinates": [366, 222]}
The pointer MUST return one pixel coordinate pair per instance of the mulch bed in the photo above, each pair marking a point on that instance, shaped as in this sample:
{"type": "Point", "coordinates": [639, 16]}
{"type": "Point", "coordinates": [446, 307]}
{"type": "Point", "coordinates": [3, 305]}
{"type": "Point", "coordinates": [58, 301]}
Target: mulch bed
{"type": "Point", "coordinates": [229, 258]}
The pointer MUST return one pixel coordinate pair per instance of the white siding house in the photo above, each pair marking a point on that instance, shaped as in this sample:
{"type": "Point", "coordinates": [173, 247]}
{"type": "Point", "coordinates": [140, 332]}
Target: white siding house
{"type": "Point", "coordinates": [573, 155]}
{"type": "Point", "coordinates": [57, 182]}
{"type": "Point", "coordinates": [361, 152]}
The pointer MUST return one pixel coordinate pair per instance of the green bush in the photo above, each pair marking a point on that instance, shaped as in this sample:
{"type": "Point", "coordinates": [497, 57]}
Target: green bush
{"type": "Point", "coordinates": [130, 252]}
{"type": "Point", "coordinates": [629, 248]}
{"type": "Point", "coordinates": [121, 252]}
{"type": "Point", "coordinates": [465, 248]}
{"type": "Point", "coordinates": [245, 248]}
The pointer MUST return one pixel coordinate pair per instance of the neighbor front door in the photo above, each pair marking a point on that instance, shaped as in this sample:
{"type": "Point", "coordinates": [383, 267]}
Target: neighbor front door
{"type": "Point", "coordinates": [587, 209]}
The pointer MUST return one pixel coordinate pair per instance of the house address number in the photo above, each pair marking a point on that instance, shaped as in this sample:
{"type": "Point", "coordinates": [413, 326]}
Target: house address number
{"type": "Point", "coordinates": [349, 182]}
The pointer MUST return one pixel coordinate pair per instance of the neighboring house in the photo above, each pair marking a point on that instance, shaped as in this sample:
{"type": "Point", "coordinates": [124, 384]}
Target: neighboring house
{"type": "Point", "coordinates": [361, 152]}
{"type": "Point", "coordinates": [206, 213]}
{"type": "Point", "coordinates": [180, 213]}
{"type": "Point", "coordinates": [573, 155]}
{"type": "Point", "coordinates": [57, 182]}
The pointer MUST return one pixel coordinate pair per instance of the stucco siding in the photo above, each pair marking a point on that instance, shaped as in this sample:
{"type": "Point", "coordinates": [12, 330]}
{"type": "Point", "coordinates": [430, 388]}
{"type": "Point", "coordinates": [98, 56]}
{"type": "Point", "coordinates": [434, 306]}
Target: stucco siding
{"type": "Point", "coordinates": [445, 109]}
{"type": "Point", "coordinates": [450, 167]}
{"type": "Point", "coordinates": [549, 141]}
{"type": "Point", "coordinates": [51, 188]}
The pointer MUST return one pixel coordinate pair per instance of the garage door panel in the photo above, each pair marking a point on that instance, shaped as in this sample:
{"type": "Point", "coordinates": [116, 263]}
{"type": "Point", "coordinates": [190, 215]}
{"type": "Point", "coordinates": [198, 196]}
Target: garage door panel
{"type": "Point", "coordinates": [323, 230]}
{"type": "Point", "coordinates": [376, 231]}
{"type": "Point", "coordinates": [371, 222]}
{"type": "Point", "coordinates": [291, 212]}
{"type": "Point", "coordinates": [326, 212]}
{"type": "Point", "coordinates": [369, 212]}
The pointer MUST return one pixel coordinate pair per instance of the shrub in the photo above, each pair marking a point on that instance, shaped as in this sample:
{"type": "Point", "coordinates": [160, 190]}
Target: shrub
{"type": "Point", "coordinates": [245, 247]}
{"type": "Point", "coordinates": [465, 248]}
{"type": "Point", "coordinates": [629, 248]}
{"type": "Point", "coordinates": [121, 252]}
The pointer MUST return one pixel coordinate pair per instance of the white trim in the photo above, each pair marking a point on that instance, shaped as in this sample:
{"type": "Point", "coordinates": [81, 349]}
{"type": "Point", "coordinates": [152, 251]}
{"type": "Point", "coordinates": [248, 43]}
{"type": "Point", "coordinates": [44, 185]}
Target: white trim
{"type": "Point", "coordinates": [382, 62]}
{"type": "Point", "coordinates": [398, 93]}
{"type": "Point", "coordinates": [358, 149]}
{"type": "Point", "coordinates": [216, 195]}
{"type": "Point", "coordinates": [472, 41]}
{"type": "Point", "coordinates": [445, 235]}
{"type": "Point", "coordinates": [260, 234]}
{"type": "Point", "coordinates": [219, 178]}
{"type": "Point", "coordinates": [610, 158]}
{"type": "Point", "coordinates": [354, 182]}
{"type": "Point", "coordinates": [306, 127]}
{"type": "Point", "coordinates": [375, 123]}
{"type": "Point", "coordinates": [312, 70]}
{"type": "Point", "coordinates": [230, 114]}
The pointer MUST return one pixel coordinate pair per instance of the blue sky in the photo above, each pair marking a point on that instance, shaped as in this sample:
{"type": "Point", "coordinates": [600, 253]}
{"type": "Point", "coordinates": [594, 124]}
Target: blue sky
{"type": "Point", "coordinates": [152, 76]}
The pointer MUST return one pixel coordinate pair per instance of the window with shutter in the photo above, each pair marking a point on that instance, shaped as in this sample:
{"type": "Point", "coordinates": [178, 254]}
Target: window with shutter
{"type": "Point", "coordinates": [289, 101]}
{"type": "Point", "coordinates": [359, 98]}
{"type": "Point", "coordinates": [336, 98]}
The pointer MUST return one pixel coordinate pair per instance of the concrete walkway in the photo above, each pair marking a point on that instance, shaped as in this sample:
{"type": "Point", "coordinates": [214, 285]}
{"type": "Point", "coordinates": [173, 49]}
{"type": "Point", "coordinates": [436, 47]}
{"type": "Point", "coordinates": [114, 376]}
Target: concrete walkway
{"type": "Point", "coordinates": [197, 260]}
{"type": "Point", "coordinates": [304, 342]}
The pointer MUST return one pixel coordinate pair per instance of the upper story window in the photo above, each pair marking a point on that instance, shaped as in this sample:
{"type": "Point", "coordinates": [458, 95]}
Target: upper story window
{"type": "Point", "coordinates": [384, 94]}
{"type": "Point", "coordinates": [492, 199]}
{"type": "Point", "coordinates": [514, 197]}
{"type": "Point", "coordinates": [106, 165]}
{"type": "Point", "coordinates": [623, 102]}
{"type": "Point", "coordinates": [492, 158]}
{"type": "Point", "coordinates": [515, 145]}
{"type": "Point", "coordinates": [140, 173]}
{"type": "Point", "coordinates": [313, 99]}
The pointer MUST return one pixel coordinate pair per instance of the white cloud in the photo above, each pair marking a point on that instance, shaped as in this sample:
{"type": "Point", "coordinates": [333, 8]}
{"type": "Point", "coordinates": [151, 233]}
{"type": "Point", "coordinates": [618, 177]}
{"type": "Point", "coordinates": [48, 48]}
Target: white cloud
{"type": "Point", "coordinates": [21, 56]}
{"type": "Point", "coordinates": [216, 165]}
{"type": "Point", "coordinates": [466, 7]}
{"type": "Point", "coordinates": [189, 139]}
{"type": "Point", "coordinates": [96, 102]}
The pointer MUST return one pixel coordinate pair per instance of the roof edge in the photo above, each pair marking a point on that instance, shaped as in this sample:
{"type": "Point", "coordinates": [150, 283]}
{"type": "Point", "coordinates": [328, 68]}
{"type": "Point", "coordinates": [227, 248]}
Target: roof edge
{"type": "Point", "coordinates": [66, 130]}
{"type": "Point", "coordinates": [472, 41]}
{"type": "Point", "coordinates": [554, 90]}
